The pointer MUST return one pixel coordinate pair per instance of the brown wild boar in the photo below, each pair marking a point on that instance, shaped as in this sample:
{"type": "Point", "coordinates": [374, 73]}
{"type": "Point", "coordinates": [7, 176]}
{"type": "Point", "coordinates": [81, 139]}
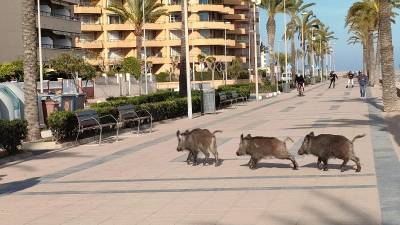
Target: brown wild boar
{"type": "Point", "coordinates": [262, 147]}
{"type": "Point", "coordinates": [326, 146]}
{"type": "Point", "coordinates": [198, 140]}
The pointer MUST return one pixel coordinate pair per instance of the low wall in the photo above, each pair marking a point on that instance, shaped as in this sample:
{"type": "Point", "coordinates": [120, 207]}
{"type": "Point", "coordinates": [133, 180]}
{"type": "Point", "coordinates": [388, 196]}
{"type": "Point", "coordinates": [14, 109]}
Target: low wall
{"type": "Point", "coordinates": [217, 83]}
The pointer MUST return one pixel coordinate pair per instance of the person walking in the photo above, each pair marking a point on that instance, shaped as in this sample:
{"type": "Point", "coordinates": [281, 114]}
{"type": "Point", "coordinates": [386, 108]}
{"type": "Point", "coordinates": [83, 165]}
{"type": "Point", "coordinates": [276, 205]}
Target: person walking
{"type": "Point", "coordinates": [333, 77]}
{"type": "Point", "coordinates": [350, 80]}
{"type": "Point", "coordinates": [362, 81]}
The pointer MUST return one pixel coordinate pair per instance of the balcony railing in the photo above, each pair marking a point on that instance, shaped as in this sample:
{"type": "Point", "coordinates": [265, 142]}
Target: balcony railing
{"type": "Point", "coordinates": [210, 2]}
{"type": "Point", "coordinates": [50, 46]}
{"type": "Point", "coordinates": [64, 17]}
{"type": "Point", "coordinates": [87, 3]}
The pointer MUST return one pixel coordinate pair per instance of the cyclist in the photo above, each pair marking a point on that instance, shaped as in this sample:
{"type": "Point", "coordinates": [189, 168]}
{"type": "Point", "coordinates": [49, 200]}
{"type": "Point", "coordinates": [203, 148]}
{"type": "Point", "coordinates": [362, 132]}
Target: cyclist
{"type": "Point", "coordinates": [300, 84]}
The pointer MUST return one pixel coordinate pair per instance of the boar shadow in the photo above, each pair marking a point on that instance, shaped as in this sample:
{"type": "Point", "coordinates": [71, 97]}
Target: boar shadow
{"type": "Point", "coordinates": [332, 166]}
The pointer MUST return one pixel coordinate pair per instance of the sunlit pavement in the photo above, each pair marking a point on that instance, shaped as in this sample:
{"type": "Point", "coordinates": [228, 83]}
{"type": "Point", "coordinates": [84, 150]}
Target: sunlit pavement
{"type": "Point", "coordinates": [143, 179]}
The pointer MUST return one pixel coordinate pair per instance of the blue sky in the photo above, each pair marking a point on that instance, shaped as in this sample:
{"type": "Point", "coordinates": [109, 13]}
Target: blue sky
{"type": "Point", "coordinates": [332, 13]}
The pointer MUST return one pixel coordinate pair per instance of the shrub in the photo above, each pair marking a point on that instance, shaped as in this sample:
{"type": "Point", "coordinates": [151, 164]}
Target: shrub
{"type": "Point", "coordinates": [162, 77]}
{"type": "Point", "coordinates": [64, 124]}
{"type": "Point", "coordinates": [11, 134]}
{"type": "Point", "coordinates": [155, 97]}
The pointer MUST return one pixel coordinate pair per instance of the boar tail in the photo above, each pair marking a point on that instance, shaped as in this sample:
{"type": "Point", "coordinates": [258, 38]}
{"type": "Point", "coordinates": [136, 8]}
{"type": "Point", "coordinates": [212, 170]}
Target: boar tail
{"type": "Point", "coordinates": [217, 131]}
{"type": "Point", "coordinates": [288, 139]}
{"type": "Point", "coordinates": [357, 137]}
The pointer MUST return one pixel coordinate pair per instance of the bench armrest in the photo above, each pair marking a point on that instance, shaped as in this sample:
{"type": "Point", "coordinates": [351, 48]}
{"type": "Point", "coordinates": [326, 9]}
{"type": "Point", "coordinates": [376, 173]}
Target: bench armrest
{"type": "Point", "coordinates": [147, 112]}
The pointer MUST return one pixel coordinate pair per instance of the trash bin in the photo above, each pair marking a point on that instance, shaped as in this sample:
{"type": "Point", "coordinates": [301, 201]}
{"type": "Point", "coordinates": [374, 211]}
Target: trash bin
{"type": "Point", "coordinates": [209, 101]}
{"type": "Point", "coordinates": [285, 88]}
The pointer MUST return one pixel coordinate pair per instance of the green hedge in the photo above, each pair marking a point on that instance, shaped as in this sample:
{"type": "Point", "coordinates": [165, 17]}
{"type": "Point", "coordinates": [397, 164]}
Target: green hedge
{"type": "Point", "coordinates": [137, 100]}
{"type": "Point", "coordinates": [64, 124]}
{"type": "Point", "coordinates": [11, 134]}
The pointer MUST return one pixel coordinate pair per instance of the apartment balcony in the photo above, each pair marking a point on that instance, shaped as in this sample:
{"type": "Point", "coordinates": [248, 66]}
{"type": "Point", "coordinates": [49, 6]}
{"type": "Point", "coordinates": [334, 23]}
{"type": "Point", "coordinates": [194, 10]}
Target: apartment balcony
{"type": "Point", "coordinates": [91, 27]}
{"type": "Point", "coordinates": [120, 44]}
{"type": "Point", "coordinates": [89, 44]}
{"type": "Point", "coordinates": [173, 8]}
{"type": "Point", "coordinates": [238, 31]}
{"type": "Point", "coordinates": [235, 17]}
{"type": "Point", "coordinates": [121, 26]}
{"type": "Point", "coordinates": [240, 45]}
{"type": "Point", "coordinates": [218, 25]}
{"type": "Point", "coordinates": [51, 51]}
{"type": "Point", "coordinates": [211, 8]}
{"type": "Point", "coordinates": [233, 2]}
{"type": "Point", "coordinates": [72, 2]}
{"type": "Point", "coordinates": [87, 9]}
{"type": "Point", "coordinates": [158, 59]}
{"type": "Point", "coordinates": [154, 26]}
{"type": "Point", "coordinates": [64, 23]}
{"type": "Point", "coordinates": [163, 42]}
{"type": "Point", "coordinates": [212, 41]}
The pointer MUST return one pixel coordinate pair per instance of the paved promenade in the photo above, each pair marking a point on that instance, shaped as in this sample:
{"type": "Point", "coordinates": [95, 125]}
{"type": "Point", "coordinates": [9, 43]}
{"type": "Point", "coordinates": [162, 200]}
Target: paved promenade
{"type": "Point", "coordinates": [143, 179]}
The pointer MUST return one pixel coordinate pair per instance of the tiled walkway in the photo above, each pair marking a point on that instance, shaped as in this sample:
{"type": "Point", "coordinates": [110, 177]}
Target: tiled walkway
{"type": "Point", "coordinates": [143, 179]}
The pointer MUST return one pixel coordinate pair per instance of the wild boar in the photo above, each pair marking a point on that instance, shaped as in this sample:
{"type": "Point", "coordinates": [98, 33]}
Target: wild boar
{"type": "Point", "coordinates": [326, 146]}
{"type": "Point", "coordinates": [262, 147]}
{"type": "Point", "coordinates": [198, 140]}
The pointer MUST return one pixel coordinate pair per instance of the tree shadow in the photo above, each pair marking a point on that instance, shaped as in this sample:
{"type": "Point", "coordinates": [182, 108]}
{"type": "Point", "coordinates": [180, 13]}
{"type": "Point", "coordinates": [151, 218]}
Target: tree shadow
{"type": "Point", "coordinates": [267, 165]}
{"type": "Point", "coordinates": [393, 126]}
{"type": "Point", "coordinates": [330, 166]}
{"type": "Point", "coordinates": [333, 123]}
{"type": "Point", "coordinates": [16, 186]}
{"type": "Point", "coordinates": [354, 215]}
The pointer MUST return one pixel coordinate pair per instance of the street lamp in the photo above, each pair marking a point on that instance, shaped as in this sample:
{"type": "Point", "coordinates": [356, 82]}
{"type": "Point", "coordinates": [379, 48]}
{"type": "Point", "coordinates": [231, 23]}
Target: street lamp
{"type": "Point", "coordinates": [40, 47]}
{"type": "Point", "coordinates": [286, 56]}
{"type": "Point", "coordinates": [194, 56]}
{"type": "Point", "coordinates": [303, 43]}
{"type": "Point", "coordinates": [255, 4]}
{"type": "Point", "coordinates": [226, 60]}
{"type": "Point", "coordinates": [188, 85]}
{"type": "Point", "coordinates": [144, 46]}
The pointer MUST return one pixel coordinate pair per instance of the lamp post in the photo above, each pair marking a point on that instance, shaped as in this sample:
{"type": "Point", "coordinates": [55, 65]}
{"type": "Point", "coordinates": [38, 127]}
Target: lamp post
{"type": "Point", "coordinates": [194, 57]}
{"type": "Point", "coordinates": [144, 47]}
{"type": "Point", "coordinates": [255, 4]}
{"type": "Point", "coordinates": [286, 50]}
{"type": "Point", "coordinates": [188, 85]}
{"type": "Point", "coordinates": [226, 60]}
{"type": "Point", "coordinates": [303, 43]}
{"type": "Point", "coordinates": [40, 47]}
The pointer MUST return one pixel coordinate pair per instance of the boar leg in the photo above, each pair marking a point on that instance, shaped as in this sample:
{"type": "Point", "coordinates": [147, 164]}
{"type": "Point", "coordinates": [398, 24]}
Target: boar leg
{"type": "Point", "coordinates": [253, 164]}
{"type": "Point", "coordinates": [319, 163]}
{"type": "Point", "coordinates": [195, 158]}
{"type": "Point", "coordinates": [325, 161]}
{"type": "Point", "coordinates": [189, 158]}
{"type": "Point", "coordinates": [295, 165]}
{"type": "Point", "coordinates": [357, 161]}
{"type": "Point", "coordinates": [342, 167]}
{"type": "Point", "coordinates": [216, 158]}
{"type": "Point", "coordinates": [206, 157]}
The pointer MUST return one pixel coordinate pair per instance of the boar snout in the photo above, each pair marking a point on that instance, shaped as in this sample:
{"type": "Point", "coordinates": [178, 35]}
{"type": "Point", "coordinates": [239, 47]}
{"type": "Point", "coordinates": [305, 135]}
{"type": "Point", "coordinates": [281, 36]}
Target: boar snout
{"type": "Point", "coordinates": [238, 153]}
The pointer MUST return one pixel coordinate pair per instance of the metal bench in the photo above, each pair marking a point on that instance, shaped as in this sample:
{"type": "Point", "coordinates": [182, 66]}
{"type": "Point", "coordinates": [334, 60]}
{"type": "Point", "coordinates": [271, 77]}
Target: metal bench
{"type": "Point", "coordinates": [237, 96]}
{"type": "Point", "coordinates": [90, 120]}
{"type": "Point", "coordinates": [127, 113]}
{"type": "Point", "coordinates": [223, 99]}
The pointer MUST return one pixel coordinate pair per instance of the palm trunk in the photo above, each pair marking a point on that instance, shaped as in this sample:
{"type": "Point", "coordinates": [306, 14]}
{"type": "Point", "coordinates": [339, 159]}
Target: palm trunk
{"type": "Point", "coordinates": [371, 59]}
{"type": "Point", "coordinates": [390, 99]}
{"type": "Point", "coordinates": [293, 52]}
{"type": "Point", "coordinates": [367, 58]}
{"type": "Point", "coordinates": [30, 68]}
{"type": "Point", "coordinates": [364, 58]}
{"type": "Point", "coordinates": [212, 76]}
{"type": "Point", "coordinates": [378, 73]}
{"type": "Point", "coordinates": [322, 66]}
{"type": "Point", "coordinates": [271, 28]}
{"type": "Point", "coordinates": [139, 57]}
{"type": "Point", "coordinates": [182, 64]}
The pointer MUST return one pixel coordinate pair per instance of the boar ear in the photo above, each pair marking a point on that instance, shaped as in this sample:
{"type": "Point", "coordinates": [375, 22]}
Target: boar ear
{"type": "Point", "coordinates": [241, 137]}
{"type": "Point", "coordinates": [178, 133]}
{"type": "Point", "coordinates": [311, 134]}
{"type": "Point", "coordinates": [248, 136]}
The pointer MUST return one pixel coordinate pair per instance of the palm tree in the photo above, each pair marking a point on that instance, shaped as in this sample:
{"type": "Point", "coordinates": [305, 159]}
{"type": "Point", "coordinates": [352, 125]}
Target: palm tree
{"type": "Point", "coordinates": [390, 99]}
{"type": "Point", "coordinates": [29, 32]}
{"type": "Point", "coordinates": [211, 64]}
{"type": "Point", "coordinates": [363, 18]}
{"type": "Point", "coordinates": [132, 12]}
{"type": "Point", "coordinates": [272, 7]}
{"type": "Point", "coordinates": [295, 8]}
{"type": "Point", "coordinates": [324, 37]}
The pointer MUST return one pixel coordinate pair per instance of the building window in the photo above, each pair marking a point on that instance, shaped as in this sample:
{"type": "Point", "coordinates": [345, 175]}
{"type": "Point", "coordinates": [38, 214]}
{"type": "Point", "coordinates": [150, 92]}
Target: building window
{"type": "Point", "coordinates": [175, 17]}
{"type": "Point", "coordinates": [114, 35]}
{"type": "Point", "coordinates": [114, 19]}
{"type": "Point", "coordinates": [205, 50]}
{"type": "Point", "coordinates": [204, 16]}
{"type": "Point", "coordinates": [86, 37]}
{"type": "Point", "coordinates": [115, 54]}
